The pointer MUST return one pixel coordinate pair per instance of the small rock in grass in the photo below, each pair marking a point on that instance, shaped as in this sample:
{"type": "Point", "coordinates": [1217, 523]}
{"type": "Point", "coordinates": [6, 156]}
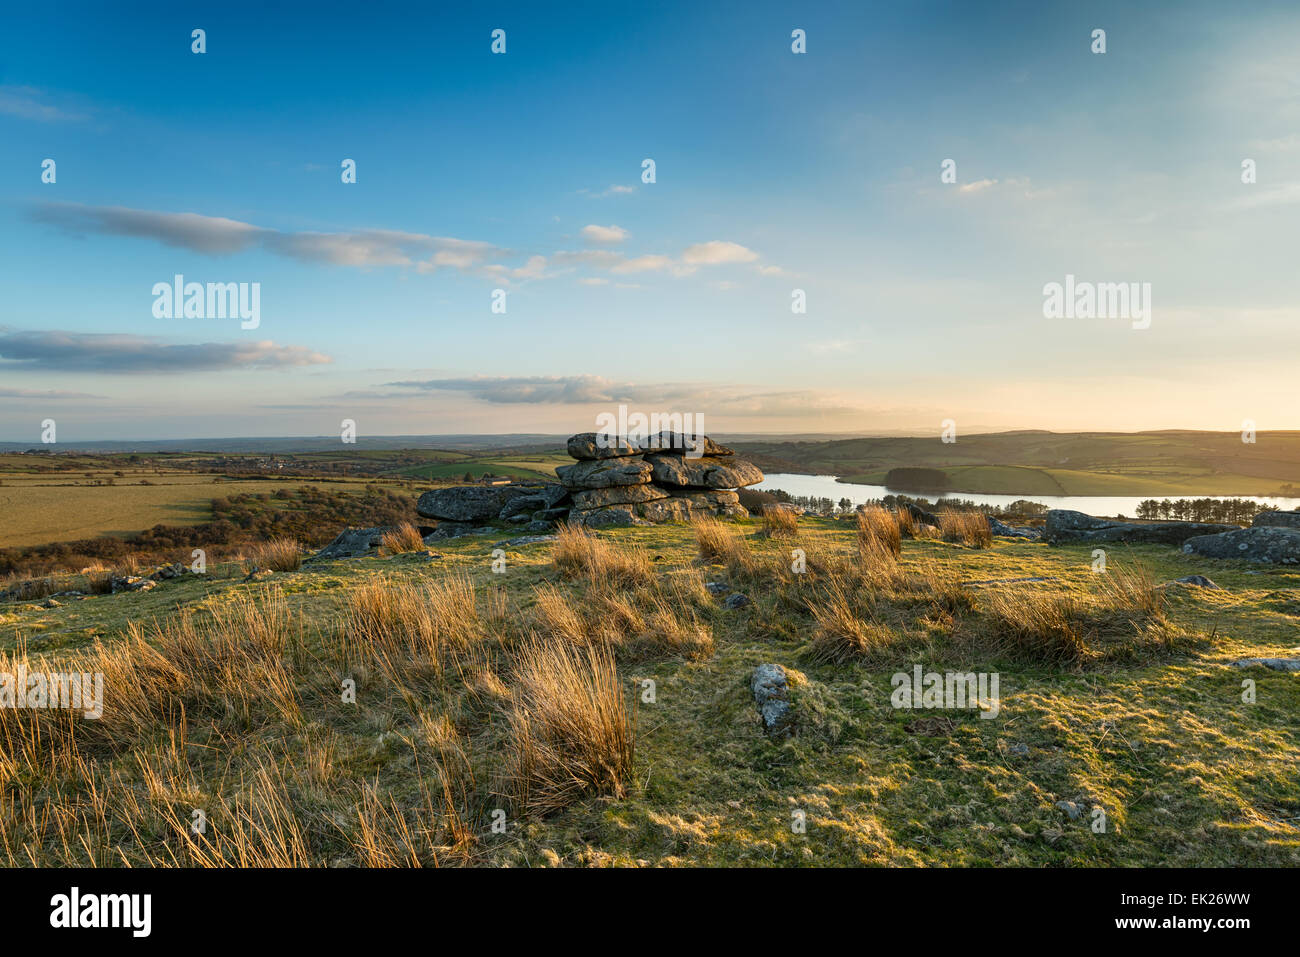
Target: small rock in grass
{"type": "Point", "coordinates": [1071, 809]}
{"type": "Point", "coordinates": [771, 690]}
{"type": "Point", "coordinates": [717, 588]}
{"type": "Point", "coordinates": [1199, 581]}
{"type": "Point", "coordinates": [1277, 664]}
{"type": "Point", "coordinates": [734, 601]}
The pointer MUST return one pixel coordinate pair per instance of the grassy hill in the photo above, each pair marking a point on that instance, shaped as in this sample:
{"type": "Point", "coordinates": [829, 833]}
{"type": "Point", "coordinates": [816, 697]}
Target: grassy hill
{"type": "Point", "coordinates": [522, 698]}
{"type": "Point", "coordinates": [1049, 463]}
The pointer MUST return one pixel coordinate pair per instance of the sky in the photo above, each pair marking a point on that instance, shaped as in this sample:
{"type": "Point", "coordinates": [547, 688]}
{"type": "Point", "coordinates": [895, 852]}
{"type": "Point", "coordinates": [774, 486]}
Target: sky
{"type": "Point", "coordinates": [516, 178]}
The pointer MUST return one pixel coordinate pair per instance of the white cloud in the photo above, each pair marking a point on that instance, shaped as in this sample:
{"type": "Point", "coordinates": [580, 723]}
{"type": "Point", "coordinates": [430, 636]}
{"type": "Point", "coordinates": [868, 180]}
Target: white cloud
{"type": "Point", "coordinates": [642, 264]}
{"type": "Point", "coordinates": [604, 234]}
{"type": "Point", "coordinates": [614, 190]}
{"type": "Point", "coordinates": [716, 253]}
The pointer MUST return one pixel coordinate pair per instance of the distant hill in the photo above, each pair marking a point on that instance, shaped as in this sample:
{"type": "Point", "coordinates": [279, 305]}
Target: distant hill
{"type": "Point", "coordinates": [524, 442]}
{"type": "Point", "coordinates": [1061, 463]}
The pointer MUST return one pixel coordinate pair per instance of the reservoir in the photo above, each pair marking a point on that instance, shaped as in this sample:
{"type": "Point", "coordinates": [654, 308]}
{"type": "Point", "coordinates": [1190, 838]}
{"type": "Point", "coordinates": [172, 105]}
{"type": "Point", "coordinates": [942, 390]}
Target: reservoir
{"type": "Point", "coordinates": [825, 486]}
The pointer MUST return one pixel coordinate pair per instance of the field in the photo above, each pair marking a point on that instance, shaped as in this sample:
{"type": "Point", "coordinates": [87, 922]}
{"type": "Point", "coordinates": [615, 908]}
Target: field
{"type": "Point", "coordinates": [521, 699]}
{"type": "Point", "coordinates": [67, 498]}
{"type": "Point", "coordinates": [37, 510]}
{"type": "Point", "coordinates": [1047, 463]}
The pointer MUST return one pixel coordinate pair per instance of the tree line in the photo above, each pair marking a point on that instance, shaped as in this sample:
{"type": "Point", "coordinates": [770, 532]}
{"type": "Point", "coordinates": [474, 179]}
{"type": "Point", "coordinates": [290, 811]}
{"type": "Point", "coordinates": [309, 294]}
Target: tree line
{"type": "Point", "coordinates": [1230, 511]}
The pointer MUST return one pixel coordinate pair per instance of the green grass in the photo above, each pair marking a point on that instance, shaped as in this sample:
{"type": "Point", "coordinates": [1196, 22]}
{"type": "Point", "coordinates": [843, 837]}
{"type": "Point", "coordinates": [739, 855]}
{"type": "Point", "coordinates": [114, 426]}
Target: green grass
{"type": "Point", "coordinates": [1156, 735]}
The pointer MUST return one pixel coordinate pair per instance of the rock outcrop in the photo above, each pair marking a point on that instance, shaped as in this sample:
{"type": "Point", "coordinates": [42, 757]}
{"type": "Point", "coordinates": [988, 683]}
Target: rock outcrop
{"type": "Point", "coordinates": [472, 503]}
{"type": "Point", "coordinates": [1270, 544]}
{"type": "Point", "coordinates": [352, 542]}
{"type": "Point", "coordinates": [664, 478]}
{"type": "Point", "coordinates": [592, 445]}
{"type": "Point", "coordinates": [668, 477]}
{"type": "Point", "coordinates": [1277, 519]}
{"type": "Point", "coordinates": [1003, 530]}
{"type": "Point", "coordinates": [1064, 525]}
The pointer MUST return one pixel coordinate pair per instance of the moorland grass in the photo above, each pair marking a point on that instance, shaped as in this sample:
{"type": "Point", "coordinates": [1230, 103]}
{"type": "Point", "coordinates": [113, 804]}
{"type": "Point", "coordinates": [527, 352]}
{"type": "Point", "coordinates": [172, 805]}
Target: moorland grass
{"type": "Point", "coordinates": [381, 711]}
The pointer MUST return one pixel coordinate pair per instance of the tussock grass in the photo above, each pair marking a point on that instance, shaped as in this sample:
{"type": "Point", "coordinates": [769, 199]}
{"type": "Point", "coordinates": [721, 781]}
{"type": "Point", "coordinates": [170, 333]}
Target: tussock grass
{"type": "Point", "coordinates": [637, 625]}
{"type": "Point", "coordinates": [1041, 627]}
{"type": "Point", "coordinates": [409, 625]}
{"type": "Point", "coordinates": [842, 633]}
{"type": "Point", "coordinates": [278, 555]}
{"type": "Point", "coordinates": [580, 553]}
{"type": "Point", "coordinates": [779, 522]}
{"type": "Point", "coordinates": [721, 542]}
{"type": "Point", "coordinates": [906, 522]}
{"type": "Point", "coordinates": [1063, 628]}
{"type": "Point", "coordinates": [878, 527]}
{"type": "Point", "coordinates": [401, 540]}
{"type": "Point", "coordinates": [28, 589]}
{"type": "Point", "coordinates": [967, 528]}
{"type": "Point", "coordinates": [571, 732]}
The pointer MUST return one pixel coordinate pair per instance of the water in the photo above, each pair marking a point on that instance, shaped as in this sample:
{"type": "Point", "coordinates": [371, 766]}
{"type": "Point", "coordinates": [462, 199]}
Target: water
{"type": "Point", "coordinates": [825, 486]}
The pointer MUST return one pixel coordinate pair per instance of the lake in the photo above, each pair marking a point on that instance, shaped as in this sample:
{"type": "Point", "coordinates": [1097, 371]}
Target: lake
{"type": "Point", "coordinates": [825, 486]}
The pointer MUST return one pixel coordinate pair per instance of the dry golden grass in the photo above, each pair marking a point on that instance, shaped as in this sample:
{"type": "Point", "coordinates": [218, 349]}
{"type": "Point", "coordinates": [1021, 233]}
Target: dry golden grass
{"type": "Point", "coordinates": [406, 626]}
{"type": "Point", "coordinates": [1035, 625]}
{"type": "Point", "coordinates": [463, 699]}
{"type": "Point", "coordinates": [842, 635]}
{"type": "Point", "coordinates": [878, 526]}
{"type": "Point", "coordinates": [721, 542]}
{"type": "Point", "coordinates": [278, 555]}
{"type": "Point", "coordinates": [906, 522]}
{"type": "Point", "coordinates": [876, 567]}
{"type": "Point", "coordinates": [28, 589]}
{"type": "Point", "coordinates": [556, 617]}
{"type": "Point", "coordinates": [1057, 628]}
{"type": "Point", "coordinates": [639, 624]}
{"type": "Point", "coordinates": [572, 735]}
{"type": "Point", "coordinates": [779, 522]}
{"type": "Point", "coordinates": [1133, 589]}
{"type": "Point", "coordinates": [401, 540]}
{"type": "Point", "coordinates": [232, 666]}
{"type": "Point", "coordinates": [580, 553]}
{"type": "Point", "coordinates": [967, 528]}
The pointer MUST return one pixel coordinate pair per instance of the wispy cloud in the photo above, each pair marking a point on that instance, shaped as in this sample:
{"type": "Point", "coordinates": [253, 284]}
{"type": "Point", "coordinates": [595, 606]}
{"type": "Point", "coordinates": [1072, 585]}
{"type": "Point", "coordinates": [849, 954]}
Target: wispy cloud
{"type": "Point", "coordinates": [1255, 197]}
{"type": "Point", "coordinates": [114, 354]}
{"type": "Point", "coordinates": [213, 235]}
{"type": "Point", "coordinates": [615, 190]}
{"type": "Point", "coordinates": [216, 236]}
{"type": "Point", "coordinates": [738, 400]}
{"type": "Point", "coordinates": [45, 394]}
{"type": "Point", "coordinates": [29, 103]}
{"type": "Point", "coordinates": [372, 248]}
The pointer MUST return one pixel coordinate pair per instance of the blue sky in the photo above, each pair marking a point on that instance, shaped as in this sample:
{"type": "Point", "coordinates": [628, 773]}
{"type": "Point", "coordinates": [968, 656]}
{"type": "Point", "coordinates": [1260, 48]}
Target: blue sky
{"type": "Point", "coordinates": [522, 172]}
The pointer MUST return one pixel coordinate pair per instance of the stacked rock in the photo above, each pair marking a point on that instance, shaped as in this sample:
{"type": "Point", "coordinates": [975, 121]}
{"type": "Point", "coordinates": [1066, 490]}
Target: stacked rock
{"type": "Point", "coordinates": [662, 478]}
